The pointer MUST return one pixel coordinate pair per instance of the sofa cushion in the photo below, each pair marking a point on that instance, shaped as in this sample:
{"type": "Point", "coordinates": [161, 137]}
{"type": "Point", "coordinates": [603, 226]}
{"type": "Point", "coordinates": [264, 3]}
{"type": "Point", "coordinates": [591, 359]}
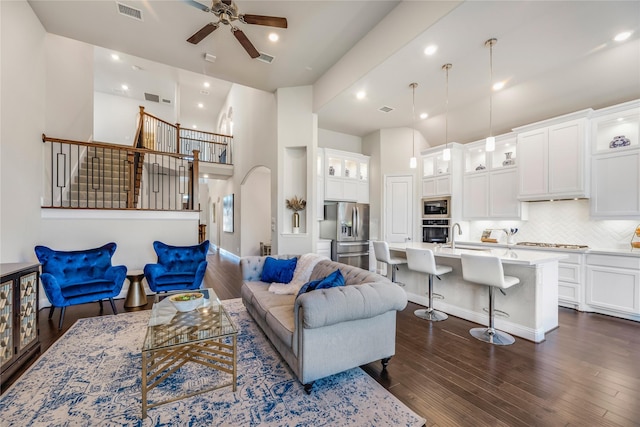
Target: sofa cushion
{"type": "Point", "coordinates": [257, 293]}
{"type": "Point", "coordinates": [278, 270]}
{"type": "Point", "coordinates": [331, 281]}
{"type": "Point", "coordinates": [281, 321]}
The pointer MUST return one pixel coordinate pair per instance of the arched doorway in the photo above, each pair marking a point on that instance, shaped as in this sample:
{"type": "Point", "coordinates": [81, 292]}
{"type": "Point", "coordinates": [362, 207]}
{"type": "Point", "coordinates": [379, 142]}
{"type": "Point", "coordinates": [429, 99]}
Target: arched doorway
{"type": "Point", "coordinates": [255, 214]}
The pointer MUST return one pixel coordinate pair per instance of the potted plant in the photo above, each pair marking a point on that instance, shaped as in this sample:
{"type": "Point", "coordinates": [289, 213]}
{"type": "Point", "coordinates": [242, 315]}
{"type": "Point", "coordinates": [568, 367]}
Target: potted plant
{"type": "Point", "coordinates": [296, 204]}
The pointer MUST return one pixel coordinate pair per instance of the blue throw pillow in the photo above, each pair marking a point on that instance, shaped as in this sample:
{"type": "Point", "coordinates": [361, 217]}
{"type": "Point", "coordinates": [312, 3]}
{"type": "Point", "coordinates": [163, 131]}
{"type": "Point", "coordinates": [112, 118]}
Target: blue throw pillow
{"type": "Point", "coordinates": [278, 270]}
{"type": "Point", "coordinates": [331, 281]}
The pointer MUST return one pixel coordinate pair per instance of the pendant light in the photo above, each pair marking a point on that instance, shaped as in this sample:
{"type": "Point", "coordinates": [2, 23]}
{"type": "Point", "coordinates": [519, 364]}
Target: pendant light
{"type": "Point", "coordinates": [413, 162]}
{"type": "Point", "coordinates": [490, 144]}
{"type": "Point", "coordinates": [446, 153]}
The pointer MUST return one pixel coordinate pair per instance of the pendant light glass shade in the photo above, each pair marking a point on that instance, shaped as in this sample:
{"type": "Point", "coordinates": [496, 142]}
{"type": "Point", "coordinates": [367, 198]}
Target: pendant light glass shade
{"type": "Point", "coordinates": [413, 162]}
{"type": "Point", "coordinates": [446, 153]}
{"type": "Point", "coordinates": [490, 144]}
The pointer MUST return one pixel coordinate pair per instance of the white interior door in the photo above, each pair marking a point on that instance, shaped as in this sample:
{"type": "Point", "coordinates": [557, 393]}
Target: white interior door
{"type": "Point", "coordinates": [398, 208]}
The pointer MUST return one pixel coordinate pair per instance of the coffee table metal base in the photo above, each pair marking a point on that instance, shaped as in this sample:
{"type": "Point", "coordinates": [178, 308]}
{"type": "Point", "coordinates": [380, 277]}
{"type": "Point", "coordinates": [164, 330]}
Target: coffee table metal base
{"type": "Point", "coordinates": [158, 365]}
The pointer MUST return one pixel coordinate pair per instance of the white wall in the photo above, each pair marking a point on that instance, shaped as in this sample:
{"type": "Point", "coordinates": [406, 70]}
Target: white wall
{"type": "Point", "coordinates": [339, 141]}
{"type": "Point", "coordinates": [254, 134]}
{"type": "Point", "coordinates": [22, 113]}
{"type": "Point", "coordinates": [565, 221]}
{"type": "Point", "coordinates": [297, 136]}
{"type": "Point", "coordinates": [115, 118]}
{"type": "Point", "coordinates": [69, 89]}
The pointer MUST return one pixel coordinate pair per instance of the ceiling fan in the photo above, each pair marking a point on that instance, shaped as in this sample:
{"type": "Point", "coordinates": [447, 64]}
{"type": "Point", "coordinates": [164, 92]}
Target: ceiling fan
{"type": "Point", "coordinates": [227, 12]}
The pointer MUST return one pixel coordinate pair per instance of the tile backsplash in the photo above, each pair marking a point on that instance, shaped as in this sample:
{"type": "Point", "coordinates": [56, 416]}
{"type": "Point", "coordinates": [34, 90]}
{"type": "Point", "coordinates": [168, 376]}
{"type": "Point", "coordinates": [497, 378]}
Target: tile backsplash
{"type": "Point", "coordinates": [565, 221]}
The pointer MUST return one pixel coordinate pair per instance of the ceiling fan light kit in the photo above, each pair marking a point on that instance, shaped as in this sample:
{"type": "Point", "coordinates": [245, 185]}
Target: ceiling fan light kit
{"type": "Point", "coordinates": [227, 12]}
{"type": "Point", "coordinates": [413, 162]}
{"type": "Point", "coordinates": [446, 153]}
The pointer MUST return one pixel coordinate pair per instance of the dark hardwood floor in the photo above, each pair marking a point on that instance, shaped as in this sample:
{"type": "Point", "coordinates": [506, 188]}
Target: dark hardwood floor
{"type": "Point", "coordinates": [587, 372]}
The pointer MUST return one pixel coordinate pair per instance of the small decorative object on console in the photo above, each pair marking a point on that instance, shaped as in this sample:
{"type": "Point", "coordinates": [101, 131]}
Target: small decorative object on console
{"type": "Point", "coordinates": [619, 141]}
{"type": "Point", "coordinates": [480, 167]}
{"type": "Point", "coordinates": [187, 301]}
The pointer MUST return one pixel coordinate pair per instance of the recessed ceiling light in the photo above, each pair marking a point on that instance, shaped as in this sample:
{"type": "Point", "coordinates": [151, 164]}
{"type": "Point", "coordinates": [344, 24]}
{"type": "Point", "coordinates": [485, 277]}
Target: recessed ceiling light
{"type": "Point", "coordinates": [200, 105]}
{"type": "Point", "coordinates": [205, 176]}
{"type": "Point", "coordinates": [424, 116]}
{"type": "Point", "coordinates": [136, 67]}
{"type": "Point", "coordinates": [125, 87]}
{"type": "Point", "coordinates": [361, 95]}
{"type": "Point", "coordinates": [115, 56]}
{"type": "Point", "coordinates": [206, 84]}
{"type": "Point", "coordinates": [620, 119]}
{"type": "Point", "coordinates": [274, 37]}
{"type": "Point", "coordinates": [498, 85]}
{"type": "Point", "coordinates": [431, 49]}
{"type": "Point", "coordinates": [194, 126]}
{"type": "Point", "coordinates": [622, 36]}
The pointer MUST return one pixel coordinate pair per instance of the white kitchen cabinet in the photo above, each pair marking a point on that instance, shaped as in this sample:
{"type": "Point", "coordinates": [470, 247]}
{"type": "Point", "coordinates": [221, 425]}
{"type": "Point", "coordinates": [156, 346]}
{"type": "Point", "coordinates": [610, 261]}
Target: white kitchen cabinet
{"type": "Point", "coordinates": [346, 176]}
{"type": "Point", "coordinates": [320, 185]}
{"type": "Point", "coordinates": [571, 281]}
{"type": "Point", "coordinates": [615, 164]}
{"type": "Point", "coordinates": [324, 248]}
{"type": "Point", "coordinates": [613, 285]}
{"type": "Point", "coordinates": [490, 184]}
{"type": "Point", "coordinates": [476, 196]}
{"type": "Point", "coordinates": [552, 159]}
{"type": "Point", "coordinates": [441, 177]}
{"type": "Point", "coordinates": [615, 185]}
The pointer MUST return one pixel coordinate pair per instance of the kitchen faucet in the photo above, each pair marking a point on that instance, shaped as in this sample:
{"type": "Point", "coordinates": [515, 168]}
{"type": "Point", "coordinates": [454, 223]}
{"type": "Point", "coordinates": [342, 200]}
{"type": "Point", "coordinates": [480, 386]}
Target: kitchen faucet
{"type": "Point", "coordinates": [453, 238]}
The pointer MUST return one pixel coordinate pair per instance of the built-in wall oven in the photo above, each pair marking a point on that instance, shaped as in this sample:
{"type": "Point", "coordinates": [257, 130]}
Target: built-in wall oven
{"type": "Point", "coordinates": [435, 230]}
{"type": "Point", "coordinates": [436, 219]}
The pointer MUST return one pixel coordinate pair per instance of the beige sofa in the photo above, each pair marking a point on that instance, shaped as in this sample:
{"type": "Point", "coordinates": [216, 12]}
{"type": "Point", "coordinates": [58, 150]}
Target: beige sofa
{"type": "Point", "coordinates": [326, 331]}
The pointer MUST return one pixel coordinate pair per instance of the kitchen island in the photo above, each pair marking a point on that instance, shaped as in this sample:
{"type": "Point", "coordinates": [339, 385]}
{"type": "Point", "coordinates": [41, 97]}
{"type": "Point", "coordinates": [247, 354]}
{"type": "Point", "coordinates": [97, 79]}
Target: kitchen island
{"type": "Point", "coordinates": [531, 305]}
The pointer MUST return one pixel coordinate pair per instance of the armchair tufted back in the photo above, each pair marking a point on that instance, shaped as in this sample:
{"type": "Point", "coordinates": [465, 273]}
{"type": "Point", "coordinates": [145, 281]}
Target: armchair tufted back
{"type": "Point", "coordinates": [76, 266]}
{"type": "Point", "coordinates": [176, 259]}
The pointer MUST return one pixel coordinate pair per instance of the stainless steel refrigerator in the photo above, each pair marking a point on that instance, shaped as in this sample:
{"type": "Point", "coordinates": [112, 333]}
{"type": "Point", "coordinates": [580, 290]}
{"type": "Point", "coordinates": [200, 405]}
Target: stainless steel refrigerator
{"type": "Point", "coordinates": [347, 225]}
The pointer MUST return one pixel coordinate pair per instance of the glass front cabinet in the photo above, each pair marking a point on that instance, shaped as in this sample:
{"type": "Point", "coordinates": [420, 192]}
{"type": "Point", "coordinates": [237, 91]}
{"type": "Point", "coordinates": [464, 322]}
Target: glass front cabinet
{"type": "Point", "coordinates": [490, 184]}
{"type": "Point", "coordinates": [19, 333]}
{"type": "Point", "coordinates": [346, 176]}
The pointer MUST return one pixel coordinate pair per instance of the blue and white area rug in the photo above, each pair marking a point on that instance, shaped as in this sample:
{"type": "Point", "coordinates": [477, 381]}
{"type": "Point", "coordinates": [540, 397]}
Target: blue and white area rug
{"type": "Point", "coordinates": [92, 376]}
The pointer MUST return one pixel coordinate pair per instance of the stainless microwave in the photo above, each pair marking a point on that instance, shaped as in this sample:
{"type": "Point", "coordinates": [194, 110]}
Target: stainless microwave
{"type": "Point", "coordinates": [437, 207]}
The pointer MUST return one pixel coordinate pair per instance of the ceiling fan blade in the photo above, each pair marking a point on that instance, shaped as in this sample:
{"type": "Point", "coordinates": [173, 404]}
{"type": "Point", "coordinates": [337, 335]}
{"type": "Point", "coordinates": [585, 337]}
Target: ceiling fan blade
{"type": "Point", "coordinates": [244, 41]}
{"type": "Point", "coordinates": [202, 33]}
{"type": "Point", "coordinates": [227, 2]}
{"type": "Point", "coordinates": [269, 21]}
{"type": "Point", "coordinates": [198, 5]}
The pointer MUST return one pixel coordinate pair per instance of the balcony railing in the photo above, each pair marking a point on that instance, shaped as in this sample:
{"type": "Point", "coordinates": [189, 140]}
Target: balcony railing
{"type": "Point", "coordinates": [91, 175]}
{"type": "Point", "coordinates": [158, 135]}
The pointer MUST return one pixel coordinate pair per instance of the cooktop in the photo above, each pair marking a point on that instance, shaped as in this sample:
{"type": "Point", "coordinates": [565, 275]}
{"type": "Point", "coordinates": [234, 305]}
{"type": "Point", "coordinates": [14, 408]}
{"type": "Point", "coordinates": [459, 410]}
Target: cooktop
{"type": "Point", "coordinates": [553, 245]}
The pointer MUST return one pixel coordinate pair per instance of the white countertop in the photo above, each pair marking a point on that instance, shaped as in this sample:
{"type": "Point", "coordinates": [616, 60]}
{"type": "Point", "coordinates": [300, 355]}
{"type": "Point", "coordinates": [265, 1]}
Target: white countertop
{"type": "Point", "coordinates": [506, 255]}
{"type": "Point", "coordinates": [600, 251]}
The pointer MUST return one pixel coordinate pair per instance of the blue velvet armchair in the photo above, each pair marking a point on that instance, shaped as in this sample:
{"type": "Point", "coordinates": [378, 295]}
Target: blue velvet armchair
{"type": "Point", "coordinates": [178, 267]}
{"type": "Point", "coordinates": [77, 277]}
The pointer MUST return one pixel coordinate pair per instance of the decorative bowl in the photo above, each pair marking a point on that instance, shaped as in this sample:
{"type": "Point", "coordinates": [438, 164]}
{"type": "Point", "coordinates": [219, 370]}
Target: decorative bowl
{"type": "Point", "coordinates": [635, 245]}
{"type": "Point", "coordinates": [187, 301]}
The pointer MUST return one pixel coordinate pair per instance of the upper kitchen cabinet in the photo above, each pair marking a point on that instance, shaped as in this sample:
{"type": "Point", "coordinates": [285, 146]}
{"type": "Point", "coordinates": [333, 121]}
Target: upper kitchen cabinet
{"type": "Point", "coordinates": [346, 176]}
{"type": "Point", "coordinates": [490, 184]}
{"type": "Point", "coordinates": [615, 164]}
{"type": "Point", "coordinates": [552, 158]}
{"type": "Point", "coordinates": [439, 175]}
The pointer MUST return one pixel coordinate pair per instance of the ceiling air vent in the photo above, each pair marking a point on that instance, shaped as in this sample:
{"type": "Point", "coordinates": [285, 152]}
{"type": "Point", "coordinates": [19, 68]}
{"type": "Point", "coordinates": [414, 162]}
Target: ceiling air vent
{"type": "Point", "coordinates": [265, 58]}
{"type": "Point", "coordinates": [166, 101]}
{"type": "Point", "coordinates": [151, 97]}
{"type": "Point", "coordinates": [129, 11]}
{"type": "Point", "coordinates": [385, 109]}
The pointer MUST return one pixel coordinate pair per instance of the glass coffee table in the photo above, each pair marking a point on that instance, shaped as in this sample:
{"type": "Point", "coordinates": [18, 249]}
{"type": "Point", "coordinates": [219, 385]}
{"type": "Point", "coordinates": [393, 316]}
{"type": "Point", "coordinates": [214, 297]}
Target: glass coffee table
{"type": "Point", "coordinates": [205, 335]}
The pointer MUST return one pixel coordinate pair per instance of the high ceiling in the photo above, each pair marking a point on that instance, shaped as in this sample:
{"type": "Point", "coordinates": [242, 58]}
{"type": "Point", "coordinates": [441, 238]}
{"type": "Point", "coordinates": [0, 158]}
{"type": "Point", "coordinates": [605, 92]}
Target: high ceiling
{"type": "Point", "coordinates": [556, 57]}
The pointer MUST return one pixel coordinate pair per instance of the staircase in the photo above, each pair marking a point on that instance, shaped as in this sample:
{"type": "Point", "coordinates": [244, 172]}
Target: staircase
{"type": "Point", "coordinates": [102, 179]}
